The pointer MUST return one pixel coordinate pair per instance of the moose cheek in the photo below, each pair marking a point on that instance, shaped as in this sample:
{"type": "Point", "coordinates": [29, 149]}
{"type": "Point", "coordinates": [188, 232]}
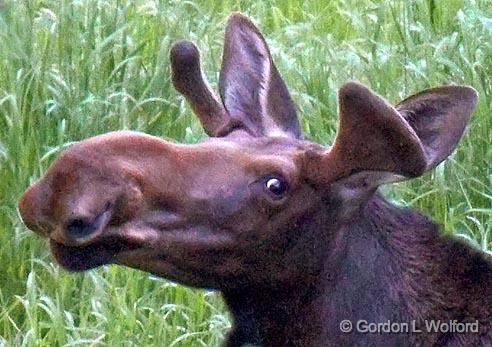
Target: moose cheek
{"type": "Point", "coordinates": [224, 205]}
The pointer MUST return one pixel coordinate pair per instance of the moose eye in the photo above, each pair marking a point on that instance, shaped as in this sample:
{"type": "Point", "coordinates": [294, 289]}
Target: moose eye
{"type": "Point", "coordinates": [276, 186]}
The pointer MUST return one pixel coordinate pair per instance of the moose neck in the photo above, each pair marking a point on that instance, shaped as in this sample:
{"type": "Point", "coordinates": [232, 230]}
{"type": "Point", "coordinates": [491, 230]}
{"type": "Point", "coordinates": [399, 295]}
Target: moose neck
{"type": "Point", "coordinates": [362, 276]}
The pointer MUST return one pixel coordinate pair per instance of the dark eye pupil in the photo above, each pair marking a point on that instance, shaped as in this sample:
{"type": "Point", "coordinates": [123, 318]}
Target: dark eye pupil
{"type": "Point", "coordinates": [276, 186]}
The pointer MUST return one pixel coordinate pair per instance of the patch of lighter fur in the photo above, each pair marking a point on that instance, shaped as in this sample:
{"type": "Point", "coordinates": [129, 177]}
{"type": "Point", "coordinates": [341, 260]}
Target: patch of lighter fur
{"type": "Point", "coordinates": [271, 128]}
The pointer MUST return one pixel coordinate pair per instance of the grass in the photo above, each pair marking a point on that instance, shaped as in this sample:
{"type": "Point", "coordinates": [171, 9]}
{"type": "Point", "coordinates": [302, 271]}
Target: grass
{"type": "Point", "coordinates": [72, 69]}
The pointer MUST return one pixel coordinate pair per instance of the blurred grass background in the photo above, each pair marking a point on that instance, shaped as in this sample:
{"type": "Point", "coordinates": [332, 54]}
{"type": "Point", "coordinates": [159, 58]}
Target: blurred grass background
{"type": "Point", "coordinates": [73, 69]}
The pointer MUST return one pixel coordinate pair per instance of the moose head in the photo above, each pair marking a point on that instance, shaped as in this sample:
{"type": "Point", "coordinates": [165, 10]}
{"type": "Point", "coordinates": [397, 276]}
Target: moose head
{"type": "Point", "coordinates": [253, 206]}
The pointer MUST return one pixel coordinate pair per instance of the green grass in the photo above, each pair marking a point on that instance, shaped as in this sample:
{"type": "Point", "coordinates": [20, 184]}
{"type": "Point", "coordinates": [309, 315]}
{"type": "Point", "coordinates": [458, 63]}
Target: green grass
{"type": "Point", "coordinates": [72, 69]}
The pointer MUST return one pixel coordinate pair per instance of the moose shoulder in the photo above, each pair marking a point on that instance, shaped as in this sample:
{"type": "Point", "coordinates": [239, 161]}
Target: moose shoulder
{"type": "Point", "coordinates": [295, 235]}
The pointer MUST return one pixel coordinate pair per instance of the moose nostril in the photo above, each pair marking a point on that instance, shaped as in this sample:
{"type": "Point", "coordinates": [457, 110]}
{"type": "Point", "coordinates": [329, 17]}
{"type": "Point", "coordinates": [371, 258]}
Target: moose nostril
{"type": "Point", "coordinates": [79, 228]}
{"type": "Point", "coordinates": [83, 229]}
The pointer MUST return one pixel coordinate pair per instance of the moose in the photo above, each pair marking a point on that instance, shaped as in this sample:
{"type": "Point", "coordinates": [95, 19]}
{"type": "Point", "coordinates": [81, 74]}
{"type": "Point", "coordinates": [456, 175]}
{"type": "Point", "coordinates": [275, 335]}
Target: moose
{"type": "Point", "coordinates": [295, 235]}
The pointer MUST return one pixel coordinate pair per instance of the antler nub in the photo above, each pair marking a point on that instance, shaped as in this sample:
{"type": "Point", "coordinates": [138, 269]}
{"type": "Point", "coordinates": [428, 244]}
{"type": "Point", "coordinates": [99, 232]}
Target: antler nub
{"type": "Point", "coordinates": [188, 79]}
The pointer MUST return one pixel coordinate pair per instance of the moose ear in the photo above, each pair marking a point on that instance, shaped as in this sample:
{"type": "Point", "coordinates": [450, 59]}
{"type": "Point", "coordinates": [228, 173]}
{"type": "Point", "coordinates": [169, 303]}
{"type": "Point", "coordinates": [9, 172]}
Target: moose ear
{"type": "Point", "coordinates": [439, 117]}
{"type": "Point", "coordinates": [250, 86]}
{"type": "Point", "coordinates": [400, 142]}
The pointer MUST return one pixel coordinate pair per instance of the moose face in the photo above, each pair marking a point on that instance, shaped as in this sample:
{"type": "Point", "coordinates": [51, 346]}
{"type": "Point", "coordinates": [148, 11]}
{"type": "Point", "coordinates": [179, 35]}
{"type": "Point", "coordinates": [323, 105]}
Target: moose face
{"type": "Point", "coordinates": [242, 206]}
{"type": "Point", "coordinates": [137, 200]}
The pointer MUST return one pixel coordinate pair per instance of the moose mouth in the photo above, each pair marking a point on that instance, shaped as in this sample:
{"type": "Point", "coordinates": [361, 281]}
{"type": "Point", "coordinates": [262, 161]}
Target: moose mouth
{"type": "Point", "coordinates": [111, 243]}
{"type": "Point", "coordinates": [81, 258]}
{"type": "Point", "coordinates": [96, 245]}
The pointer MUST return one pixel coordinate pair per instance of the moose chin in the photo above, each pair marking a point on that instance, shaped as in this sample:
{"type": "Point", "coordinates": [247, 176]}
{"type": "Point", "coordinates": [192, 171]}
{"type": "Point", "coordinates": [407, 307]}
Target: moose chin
{"type": "Point", "coordinates": [294, 234]}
